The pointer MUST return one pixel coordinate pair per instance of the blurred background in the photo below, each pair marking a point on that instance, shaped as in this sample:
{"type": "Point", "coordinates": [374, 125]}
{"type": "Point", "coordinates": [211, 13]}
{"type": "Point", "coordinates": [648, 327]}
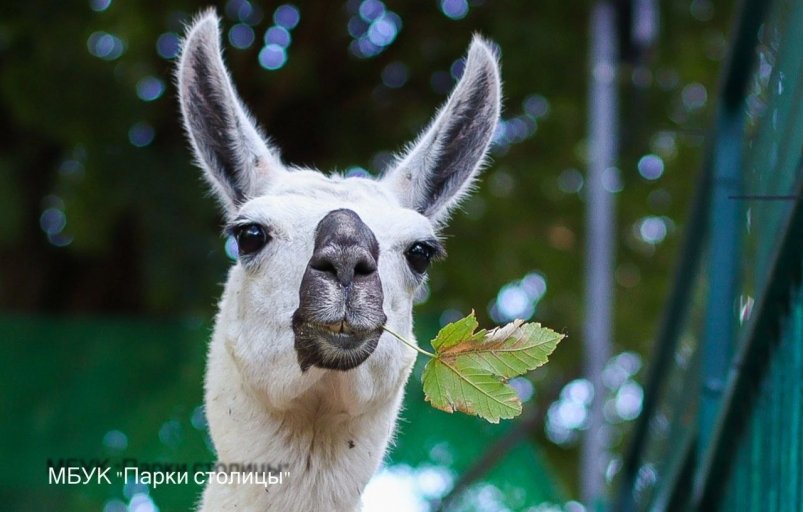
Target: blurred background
{"type": "Point", "coordinates": [111, 257]}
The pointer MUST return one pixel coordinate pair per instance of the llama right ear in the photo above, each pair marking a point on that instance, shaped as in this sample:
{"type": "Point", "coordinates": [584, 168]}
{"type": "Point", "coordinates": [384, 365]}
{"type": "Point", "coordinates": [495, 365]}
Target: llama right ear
{"type": "Point", "coordinates": [236, 160]}
{"type": "Point", "coordinates": [437, 171]}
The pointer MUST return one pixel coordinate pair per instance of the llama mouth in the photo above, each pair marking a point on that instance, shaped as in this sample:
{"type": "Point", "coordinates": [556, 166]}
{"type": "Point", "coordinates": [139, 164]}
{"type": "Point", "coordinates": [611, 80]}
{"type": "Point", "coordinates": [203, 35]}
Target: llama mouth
{"type": "Point", "coordinates": [341, 335]}
{"type": "Point", "coordinates": [341, 327]}
{"type": "Point", "coordinates": [333, 346]}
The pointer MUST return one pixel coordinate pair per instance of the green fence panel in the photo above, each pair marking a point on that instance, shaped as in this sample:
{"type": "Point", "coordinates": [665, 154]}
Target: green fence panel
{"type": "Point", "coordinates": [722, 423]}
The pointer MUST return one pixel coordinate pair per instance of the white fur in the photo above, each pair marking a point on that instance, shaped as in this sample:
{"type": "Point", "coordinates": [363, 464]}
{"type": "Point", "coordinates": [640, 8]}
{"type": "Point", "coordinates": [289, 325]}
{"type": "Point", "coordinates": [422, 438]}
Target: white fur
{"type": "Point", "coordinates": [329, 429]}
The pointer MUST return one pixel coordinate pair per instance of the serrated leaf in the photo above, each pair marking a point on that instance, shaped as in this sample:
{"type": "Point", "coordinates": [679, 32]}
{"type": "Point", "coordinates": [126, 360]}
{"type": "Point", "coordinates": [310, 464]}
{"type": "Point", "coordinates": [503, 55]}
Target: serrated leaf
{"type": "Point", "coordinates": [460, 386]}
{"type": "Point", "coordinates": [455, 332]}
{"type": "Point", "coordinates": [470, 370]}
{"type": "Point", "coordinates": [507, 351]}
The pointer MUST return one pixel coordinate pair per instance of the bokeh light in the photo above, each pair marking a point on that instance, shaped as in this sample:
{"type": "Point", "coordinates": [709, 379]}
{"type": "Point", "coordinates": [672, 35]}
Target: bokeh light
{"type": "Point", "coordinates": [454, 9]}
{"type": "Point", "coordinates": [371, 10]}
{"type": "Point", "coordinates": [457, 68]}
{"type": "Point", "coordinates": [518, 128]}
{"type": "Point", "coordinates": [651, 229]}
{"type": "Point", "coordinates": [141, 134]}
{"type": "Point", "coordinates": [72, 168]}
{"type": "Point", "coordinates": [651, 167]}
{"type": "Point", "coordinates": [132, 487]}
{"type": "Point", "coordinates": [167, 45]}
{"type": "Point", "coordinates": [357, 27]}
{"type": "Point", "coordinates": [150, 88]}
{"type": "Point", "coordinates": [278, 35]}
{"type": "Point", "coordinates": [115, 440]}
{"type": "Point", "coordinates": [99, 5]}
{"type": "Point", "coordinates": [403, 488]}
{"type": "Point", "coordinates": [52, 221]}
{"type": "Point", "coordinates": [395, 74]}
{"type": "Point", "coordinates": [142, 503]}
{"type": "Point", "coordinates": [568, 415]}
{"type": "Point", "coordinates": [171, 433]}
{"type": "Point", "coordinates": [272, 57]}
{"type": "Point", "coordinates": [373, 27]}
{"type": "Point", "coordinates": [536, 106]}
{"type": "Point", "coordinates": [356, 171]}
{"type": "Point", "coordinates": [628, 401]}
{"type": "Point", "coordinates": [384, 29]}
{"type": "Point", "coordinates": [287, 16]}
{"type": "Point", "coordinates": [612, 180]}
{"type": "Point", "coordinates": [620, 368]}
{"type": "Point", "coordinates": [694, 96]}
{"type": "Point", "coordinates": [664, 143]}
{"type": "Point", "coordinates": [241, 36]}
{"type": "Point", "coordinates": [570, 181]}
{"type": "Point", "coordinates": [104, 45]}
{"type": "Point", "coordinates": [524, 388]}
{"type": "Point", "coordinates": [244, 11]}
{"type": "Point", "coordinates": [198, 417]}
{"type": "Point", "coordinates": [115, 506]}
{"type": "Point", "coordinates": [518, 300]}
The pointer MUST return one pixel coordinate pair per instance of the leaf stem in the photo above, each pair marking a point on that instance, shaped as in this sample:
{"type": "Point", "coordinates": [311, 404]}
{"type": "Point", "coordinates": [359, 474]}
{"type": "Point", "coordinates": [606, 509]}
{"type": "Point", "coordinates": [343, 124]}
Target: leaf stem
{"type": "Point", "coordinates": [400, 338]}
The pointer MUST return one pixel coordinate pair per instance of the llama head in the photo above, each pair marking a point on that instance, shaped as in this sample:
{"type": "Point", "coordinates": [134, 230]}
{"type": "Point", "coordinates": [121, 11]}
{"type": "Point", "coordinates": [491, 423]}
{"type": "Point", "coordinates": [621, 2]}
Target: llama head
{"type": "Point", "coordinates": [326, 261]}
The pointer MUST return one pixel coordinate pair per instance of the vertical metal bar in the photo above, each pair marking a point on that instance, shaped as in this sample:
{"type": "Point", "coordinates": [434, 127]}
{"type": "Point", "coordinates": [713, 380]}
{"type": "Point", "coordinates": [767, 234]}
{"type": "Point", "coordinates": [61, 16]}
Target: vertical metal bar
{"type": "Point", "coordinates": [723, 269]}
{"type": "Point", "coordinates": [755, 454]}
{"type": "Point", "coordinates": [603, 130]}
{"type": "Point", "coordinates": [786, 383]}
{"type": "Point", "coordinates": [775, 394]}
{"type": "Point", "coordinates": [796, 419]}
{"type": "Point", "coordinates": [742, 490]}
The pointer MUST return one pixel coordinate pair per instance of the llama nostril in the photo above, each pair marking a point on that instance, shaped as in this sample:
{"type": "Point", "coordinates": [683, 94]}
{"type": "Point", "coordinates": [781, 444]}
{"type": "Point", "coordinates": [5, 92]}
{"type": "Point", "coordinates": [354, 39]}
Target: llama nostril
{"type": "Point", "coordinates": [323, 265]}
{"type": "Point", "coordinates": [365, 267]}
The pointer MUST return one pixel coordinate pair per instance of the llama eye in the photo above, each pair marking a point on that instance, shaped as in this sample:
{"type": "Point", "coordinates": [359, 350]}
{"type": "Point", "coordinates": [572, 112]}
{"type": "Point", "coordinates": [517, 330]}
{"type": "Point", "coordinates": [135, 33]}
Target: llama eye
{"type": "Point", "coordinates": [418, 256]}
{"type": "Point", "coordinates": [250, 239]}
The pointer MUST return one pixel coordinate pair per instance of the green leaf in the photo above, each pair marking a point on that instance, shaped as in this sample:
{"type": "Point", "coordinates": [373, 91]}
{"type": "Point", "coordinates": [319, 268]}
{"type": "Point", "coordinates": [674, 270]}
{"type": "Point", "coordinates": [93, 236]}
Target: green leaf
{"type": "Point", "coordinates": [470, 370]}
{"type": "Point", "coordinates": [461, 386]}
{"type": "Point", "coordinates": [455, 332]}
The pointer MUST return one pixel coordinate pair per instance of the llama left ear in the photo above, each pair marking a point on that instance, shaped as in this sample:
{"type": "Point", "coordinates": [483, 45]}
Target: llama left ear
{"type": "Point", "coordinates": [237, 161]}
{"type": "Point", "coordinates": [440, 167]}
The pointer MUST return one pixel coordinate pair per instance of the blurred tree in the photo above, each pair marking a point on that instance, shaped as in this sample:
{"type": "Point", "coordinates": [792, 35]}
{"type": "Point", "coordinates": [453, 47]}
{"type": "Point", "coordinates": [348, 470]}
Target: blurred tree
{"type": "Point", "coordinates": [101, 211]}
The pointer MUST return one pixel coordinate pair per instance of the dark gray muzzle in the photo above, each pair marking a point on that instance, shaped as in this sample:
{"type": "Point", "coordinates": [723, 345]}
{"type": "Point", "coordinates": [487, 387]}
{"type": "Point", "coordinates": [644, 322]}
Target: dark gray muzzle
{"type": "Point", "coordinates": [339, 318]}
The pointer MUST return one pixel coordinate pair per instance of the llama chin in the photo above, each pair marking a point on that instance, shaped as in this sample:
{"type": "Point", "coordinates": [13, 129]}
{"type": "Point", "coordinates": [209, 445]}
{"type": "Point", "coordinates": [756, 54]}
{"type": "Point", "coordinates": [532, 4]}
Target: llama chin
{"type": "Point", "coordinates": [300, 374]}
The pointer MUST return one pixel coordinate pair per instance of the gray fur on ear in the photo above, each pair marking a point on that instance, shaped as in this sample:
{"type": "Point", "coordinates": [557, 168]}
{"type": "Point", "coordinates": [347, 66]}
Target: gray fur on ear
{"type": "Point", "coordinates": [438, 169]}
{"type": "Point", "coordinates": [237, 161]}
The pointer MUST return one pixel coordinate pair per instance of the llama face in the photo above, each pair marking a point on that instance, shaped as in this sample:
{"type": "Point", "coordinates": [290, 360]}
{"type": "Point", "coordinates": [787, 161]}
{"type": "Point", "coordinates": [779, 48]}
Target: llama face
{"type": "Point", "coordinates": [338, 257]}
{"type": "Point", "coordinates": [326, 261]}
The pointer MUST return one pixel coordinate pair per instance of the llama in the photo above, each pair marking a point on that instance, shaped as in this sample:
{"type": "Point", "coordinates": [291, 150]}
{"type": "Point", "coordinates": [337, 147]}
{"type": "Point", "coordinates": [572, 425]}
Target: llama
{"type": "Point", "coordinates": [300, 374]}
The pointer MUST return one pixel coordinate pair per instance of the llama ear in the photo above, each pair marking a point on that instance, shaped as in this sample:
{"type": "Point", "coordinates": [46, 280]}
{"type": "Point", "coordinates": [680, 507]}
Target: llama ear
{"type": "Point", "coordinates": [236, 160]}
{"type": "Point", "coordinates": [434, 174]}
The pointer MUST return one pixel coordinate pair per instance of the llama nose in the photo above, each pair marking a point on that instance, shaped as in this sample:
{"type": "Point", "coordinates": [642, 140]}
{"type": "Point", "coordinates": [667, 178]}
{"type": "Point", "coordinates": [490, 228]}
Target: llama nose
{"type": "Point", "coordinates": [345, 247]}
{"type": "Point", "coordinates": [344, 263]}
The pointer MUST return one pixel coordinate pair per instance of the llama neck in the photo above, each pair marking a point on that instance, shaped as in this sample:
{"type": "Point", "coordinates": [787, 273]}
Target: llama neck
{"type": "Point", "coordinates": [329, 451]}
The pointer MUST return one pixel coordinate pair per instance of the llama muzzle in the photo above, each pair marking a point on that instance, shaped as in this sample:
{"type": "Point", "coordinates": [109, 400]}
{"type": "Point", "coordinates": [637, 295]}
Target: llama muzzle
{"type": "Point", "coordinates": [340, 317]}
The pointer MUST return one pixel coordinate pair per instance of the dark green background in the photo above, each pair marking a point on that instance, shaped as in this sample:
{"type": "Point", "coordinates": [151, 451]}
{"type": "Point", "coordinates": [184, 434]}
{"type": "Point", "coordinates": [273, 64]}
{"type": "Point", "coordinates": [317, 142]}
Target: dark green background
{"type": "Point", "coordinates": [109, 332]}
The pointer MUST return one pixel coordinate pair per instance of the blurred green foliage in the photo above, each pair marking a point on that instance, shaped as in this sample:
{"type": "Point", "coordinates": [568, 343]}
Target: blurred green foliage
{"type": "Point", "coordinates": [142, 237]}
